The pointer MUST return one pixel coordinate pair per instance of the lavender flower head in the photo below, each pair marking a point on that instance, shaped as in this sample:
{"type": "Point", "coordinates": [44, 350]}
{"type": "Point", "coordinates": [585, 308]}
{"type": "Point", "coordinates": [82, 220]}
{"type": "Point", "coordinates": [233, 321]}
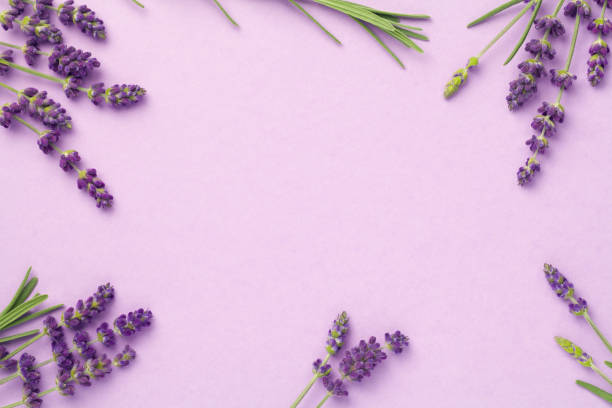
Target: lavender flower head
{"type": "Point", "coordinates": [124, 358]}
{"type": "Point", "coordinates": [69, 158]}
{"type": "Point", "coordinates": [7, 17]}
{"type": "Point", "coordinates": [540, 47]}
{"type": "Point", "coordinates": [67, 379]}
{"type": "Point", "coordinates": [82, 344]}
{"type": "Point", "coordinates": [551, 23]}
{"type": "Point", "coordinates": [98, 367]}
{"type": "Point", "coordinates": [18, 5]}
{"type": "Point", "coordinates": [359, 361]}
{"type": "Point", "coordinates": [41, 29]}
{"type": "Point", "coordinates": [127, 325]}
{"type": "Point", "coordinates": [83, 17]}
{"type": "Point", "coordinates": [562, 78]}
{"type": "Point", "coordinates": [85, 311]}
{"type": "Point", "coordinates": [320, 369]}
{"type": "Point", "coordinates": [565, 290]}
{"type": "Point", "coordinates": [601, 26]}
{"type": "Point", "coordinates": [6, 55]}
{"type": "Point", "coordinates": [52, 328]}
{"type": "Point", "coordinates": [38, 106]}
{"type": "Point", "coordinates": [88, 180]}
{"type": "Point", "coordinates": [8, 110]}
{"type": "Point", "coordinates": [580, 7]}
{"type": "Point", "coordinates": [599, 51]}
{"type": "Point", "coordinates": [396, 342]}
{"type": "Point", "coordinates": [47, 139]}
{"type": "Point", "coordinates": [521, 90]}
{"type": "Point", "coordinates": [583, 358]}
{"type": "Point", "coordinates": [334, 387]}
{"type": "Point", "coordinates": [41, 8]}
{"type": "Point", "coordinates": [9, 364]}
{"type": "Point", "coordinates": [526, 173]}
{"type": "Point", "coordinates": [459, 78]}
{"type": "Point", "coordinates": [30, 50]}
{"type": "Point", "coordinates": [27, 371]}
{"type": "Point", "coordinates": [337, 334]}
{"type": "Point", "coordinates": [62, 354]}
{"type": "Point", "coordinates": [69, 61]}
{"type": "Point", "coordinates": [106, 335]}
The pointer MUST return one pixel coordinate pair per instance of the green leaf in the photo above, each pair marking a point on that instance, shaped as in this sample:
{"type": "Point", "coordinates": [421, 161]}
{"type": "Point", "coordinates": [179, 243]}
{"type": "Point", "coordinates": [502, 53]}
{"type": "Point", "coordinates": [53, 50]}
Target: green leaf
{"type": "Point", "coordinates": [19, 336]}
{"type": "Point", "coordinates": [526, 32]}
{"type": "Point", "coordinates": [20, 310]}
{"type": "Point", "coordinates": [387, 14]}
{"type": "Point", "coordinates": [17, 293]}
{"type": "Point", "coordinates": [401, 37]}
{"type": "Point", "coordinates": [138, 3]}
{"type": "Point", "coordinates": [407, 27]}
{"type": "Point", "coordinates": [596, 390]}
{"type": "Point", "coordinates": [314, 20]}
{"type": "Point", "coordinates": [226, 13]}
{"type": "Point", "coordinates": [359, 12]}
{"type": "Point", "coordinates": [32, 316]}
{"type": "Point", "coordinates": [412, 34]}
{"type": "Point", "coordinates": [22, 347]}
{"type": "Point", "coordinates": [377, 38]}
{"type": "Point", "coordinates": [27, 291]}
{"type": "Point", "coordinates": [493, 12]}
{"type": "Point", "coordinates": [608, 363]}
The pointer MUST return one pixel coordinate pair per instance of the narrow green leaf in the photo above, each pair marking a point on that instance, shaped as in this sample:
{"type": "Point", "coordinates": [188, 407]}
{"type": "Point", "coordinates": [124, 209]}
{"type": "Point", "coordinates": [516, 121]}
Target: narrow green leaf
{"type": "Point", "coordinates": [412, 34]}
{"type": "Point", "coordinates": [20, 310]}
{"type": "Point", "coordinates": [526, 32]}
{"type": "Point", "coordinates": [493, 12]}
{"type": "Point", "coordinates": [27, 291]}
{"type": "Point", "coordinates": [138, 3]}
{"type": "Point", "coordinates": [359, 12]}
{"type": "Point", "coordinates": [608, 363]}
{"type": "Point", "coordinates": [226, 13]}
{"type": "Point", "coordinates": [307, 14]}
{"type": "Point", "coordinates": [19, 336]}
{"type": "Point", "coordinates": [387, 14]}
{"type": "Point", "coordinates": [595, 390]}
{"type": "Point", "coordinates": [377, 38]}
{"type": "Point", "coordinates": [32, 316]}
{"type": "Point", "coordinates": [12, 302]}
{"type": "Point", "coordinates": [22, 347]}
{"type": "Point", "coordinates": [407, 27]}
{"type": "Point", "coordinates": [400, 36]}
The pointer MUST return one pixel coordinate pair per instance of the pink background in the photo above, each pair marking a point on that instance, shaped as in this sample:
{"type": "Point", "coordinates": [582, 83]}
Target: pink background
{"type": "Point", "coordinates": [272, 179]}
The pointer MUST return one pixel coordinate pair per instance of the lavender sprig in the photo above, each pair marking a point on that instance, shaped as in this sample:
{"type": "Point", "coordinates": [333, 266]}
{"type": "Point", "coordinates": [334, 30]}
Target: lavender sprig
{"type": "Point", "coordinates": [581, 356]}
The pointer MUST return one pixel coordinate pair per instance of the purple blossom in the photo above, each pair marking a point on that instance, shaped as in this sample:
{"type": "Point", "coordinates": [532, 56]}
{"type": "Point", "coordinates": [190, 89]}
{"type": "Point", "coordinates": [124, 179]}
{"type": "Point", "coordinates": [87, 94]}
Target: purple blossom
{"type": "Point", "coordinates": [540, 47]}
{"type": "Point", "coordinates": [599, 51]}
{"type": "Point", "coordinates": [7, 17]}
{"type": "Point", "coordinates": [6, 55]}
{"type": "Point", "coordinates": [537, 144]}
{"type": "Point", "coordinates": [565, 290]}
{"type": "Point", "coordinates": [98, 367]}
{"type": "Point", "coordinates": [83, 17]}
{"type": "Point", "coordinates": [27, 371]}
{"type": "Point", "coordinates": [127, 325]}
{"type": "Point", "coordinates": [71, 86]}
{"type": "Point", "coordinates": [551, 23]}
{"type": "Point", "coordinates": [30, 396]}
{"type": "Point", "coordinates": [52, 329]}
{"type": "Point", "coordinates": [526, 173]}
{"type": "Point", "coordinates": [554, 111]}
{"type": "Point", "coordinates": [31, 51]}
{"type": "Point", "coordinates": [320, 369]}
{"type": "Point", "coordinates": [124, 358]}
{"type": "Point", "coordinates": [88, 180]}
{"type": "Point", "coordinates": [38, 106]}
{"type": "Point", "coordinates": [64, 383]}
{"type": "Point", "coordinates": [62, 354]}
{"type": "Point", "coordinates": [69, 158]}
{"type": "Point", "coordinates": [336, 336]}
{"type": "Point", "coordinates": [9, 364]}
{"type": "Point", "coordinates": [79, 375]}
{"type": "Point", "coordinates": [124, 95]}
{"type": "Point", "coordinates": [41, 8]}
{"type": "Point", "coordinates": [18, 5]}
{"type": "Point", "coordinates": [359, 361]}
{"type": "Point", "coordinates": [97, 93]}
{"type": "Point", "coordinates": [8, 110]}
{"type": "Point", "coordinates": [543, 124]}
{"type": "Point", "coordinates": [580, 7]}
{"type": "Point", "coordinates": [81, 343]}
{"type": "Point", "coordinates": [69, 61]}
{"type": "Point", "coordinates": [334, 387]}
{"type": "Point", "coordinates": [532, 66]}
{"type": "Point", "coordinates": [601, 26]}
{"type": "Point", "coordinates": [562, 78]}
{"type": "Point", "coordinates": [521, 90]}
{"type": "Point", "coordinates": [106, 335]}
{"type": "Point", "coordinates": [47, 139]}
{"type": "Point", "coordinates": [85, 311]}
{"type": "Point", "coordinates": [41, 29]}
{"type": "Point", "coordinates": [397, 341]}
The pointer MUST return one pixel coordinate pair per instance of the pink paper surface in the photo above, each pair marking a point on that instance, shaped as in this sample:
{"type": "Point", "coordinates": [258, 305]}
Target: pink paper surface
{"type": "Point", "coordinates": [272, 179]}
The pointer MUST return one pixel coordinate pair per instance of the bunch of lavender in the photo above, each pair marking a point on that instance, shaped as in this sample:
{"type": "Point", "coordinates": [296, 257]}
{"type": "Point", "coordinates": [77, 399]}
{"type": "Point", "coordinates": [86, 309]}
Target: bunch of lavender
{"type": "Point", "coordinates": [564, 289]}
{"type": "Point", "coordinates": [532, 69]}
{"type": "Point", "coordinates": [357, 363]}
{"type": "Point", "coordinates": [21, 309]}
{"type": "Point", "coordinates": [37, 105]}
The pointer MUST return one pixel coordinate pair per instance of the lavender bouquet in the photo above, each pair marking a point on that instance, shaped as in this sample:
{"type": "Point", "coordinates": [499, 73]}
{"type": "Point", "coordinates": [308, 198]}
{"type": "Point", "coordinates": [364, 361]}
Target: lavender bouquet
{"type": "Point", "coordinates": [564, 289]}
{"type": "Point", "coordinates": [540, 52]}
{"type": "Point", "coordinates": [356, 364]}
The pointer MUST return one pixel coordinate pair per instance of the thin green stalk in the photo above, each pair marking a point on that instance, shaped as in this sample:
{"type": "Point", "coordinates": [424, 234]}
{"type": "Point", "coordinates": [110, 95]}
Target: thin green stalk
{"type": "Point", "coordinates": [31, 71]}
{"type": "Point", "coordinates": [310, 384]}
{"type": "Point", "coordinates": [9, 378]}
{"type": "Point", "coordinates": [506, 28]}
{"type": "Point", "coordinates": [601, 374]}
{"type": "Point", "coordinates": [10, 88]}
{"type": "Point", "coordinates": [307, 14]}
{"type": "Point", "coordinates": [520, 42]}
{"type": "Point", "coordinates": [38, 314]}
{"type": "Point", "coordinates": [595, 390]}
{"type": "Point", "coordinates": [320, 404]}
{"type": "Point", "coordinates": [18, 336]}
{"type": "Point", "coordinates": [27, 275]}
{"type": "Point", "coordinates": [378, 40]}
{"type": "Point", "coordinates": [597, 331]}
{"type": "Point", "coordinates": [226, 13]}
{"type": "Point", "coordinates": [493, 12]}
{"type": "Point", "coordinates": [26, 124]}
{"type": "Point", "coordinates": [23, 346]}
{"type": "Point", "coordinates": [40, 395]}
{"type": "Point", "coordinates": [573, 44]}
{"type": "Point", "coordinates": [19, 47]}
{"type": "Point", "coordinates": [138, 3]}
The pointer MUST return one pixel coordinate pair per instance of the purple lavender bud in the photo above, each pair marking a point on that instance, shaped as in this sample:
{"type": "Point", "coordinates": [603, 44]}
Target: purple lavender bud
{"type": "Point", "coordinates": [334, 387]}
{"type": "Point", "coordinates": [7, 364]}
{"type": "Point", "coordinates": [124, 95]}
{"type": "Point", "coordinates": [135, 321]}
{"type": "Point", "coordinates": [105, 293]}
{"type": "Point", "coordinates": [543, 124]}
{"type": "Point", "coordinates": [562, 78]}
{"type": "Point", "coordinates": [396, 342]}
{"type": "Point", "coordinates": [554, 111]}
{"type": "Point", "coordinates": [83, 17]}
{"type": "Point", "coordinates": [551, 23]}
{"type": "Point", "coordinates": [41, 29]}
{"type": "Point", "coordinates": [47, 139]}
{"type": "Point", "coordinates": [564, 289]}
{"type": "Point", "coordinates": [69, 61]}
{"type": "Point", "coordinates": [30, 50]}
{"type": "Point", "coordinates": [336, 336]}
{"type": "Point", "coordinates": [41, 8]}
{"type": "Point", "coordinates": [98, 367]}
{"type": "Point", "coordinates": [64, 384]}
{"type": "Point", "coordinates": [124, 358]}
{"type": "Point", "coordinates": [320, 369]}
{"type": "Point", "coordinates": [30, 396]}
{"type": "Point", "coordinates": [38, 106]}
{"type": "Point", "coordinates": [97, 93]}
{"type": "Point", "coordinates": [71, 86]}
{"type": "Point", "coordinates": [52, 329]}
{"type": "Point", "coordinates": [18, 5]}
{"type": "Point", "coordinates": [526, 173]}
{"type": "Point", "coordinates": [106, 335]}
{"type": "Point", "coordinates": [81, 343]}
{"type": "Point", "coordinates": [600, 26]}
{"type": "Point", "coordinates": [7, 17]}
{"type": "Point", "coordinates": [89, 180]}
{"type": "Point", "coordinates": [577, 7]}
{"type": "Point", "coordinates": [540, 47]}
{"type": "Point", "coordinates": [579, 308]}
{"type": "Point", "coordinates": [6, 55]}
{"type": "Point", "coordinates": [599, 51]}
{"type": "Point", "coordinates": [62, 354]}
{"type": "Point", "coordinates": [7, 113]}
{"type": "Point", "coordinates": [69, 158]}
{"type": "Point", "coordinates": [521, 90]}
{"type": "Point", "coordinates": [537, 144]}
{"type": "Point", "coordinates": [27, 371]}
{"type": "Point", "coordinates": [359, 362]}
{"type": "Point", "coordinates": [532, 66]}
{"type": "Point", "coordinates": [79, 376]}
{"type": "Point", "coordinates": [84, 311]}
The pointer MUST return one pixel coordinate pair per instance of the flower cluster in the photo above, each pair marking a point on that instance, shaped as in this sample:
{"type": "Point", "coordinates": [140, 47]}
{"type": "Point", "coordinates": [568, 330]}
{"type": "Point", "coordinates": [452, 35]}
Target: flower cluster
{"type": "Point", "coordinates": [127, 325]}
{"type": "Point", "coordinates": [83, 17]}
{"type": "Point", "coordinates": [337, 334]}
{"type": "Point", "coordinates": [30, 375]}
{"type": "Point", "coordinates": [360, 361]}
{"type": "Point", "coordinates": [85, 311]}
{"type": "Point", "coordinates": [39, 106]}
{"type": "Point", "coordinates": [62, 355]}
{"type": "Point", "coordinates": [565, 290]}
{"type": "Point", "coordinates": [69, 61]}
{"type": "Point", "coordinates": [599, 51]}
{"type": "Point", "coordinates": [124, 358]}
{"type": "Point", "coordinates": [6, 363]}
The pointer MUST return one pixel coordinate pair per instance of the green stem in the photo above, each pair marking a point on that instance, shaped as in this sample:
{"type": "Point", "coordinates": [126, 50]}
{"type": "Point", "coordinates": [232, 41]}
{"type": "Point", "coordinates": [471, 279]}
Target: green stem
{"type": "Point", "coordinates": [138, 3]}
{"type": "Point", "coordinates": [19, 336]}
{"type": "Point", "coordinates": [573, 44]}
{"type": "Point", "coordinates": [40, 395]}
{"type": "Point", "coordinates": [23, 346]}
{"type": "Point", "coordinates": [9, 378]}
{"type": "Point", "coordinates": [26, 124]}
{"type": "Point", "coordinates": [309, 386]}
{"type": "Point", "coordinates": [314, 20]}
{"type": "Point", "coordinates": [518, 45]}
{"type": "Point", "coordinates": [493, 12]}
{"type": "Point", "coordinates": [18, 47]}
{"type": "Point", "coordinates": [320, 404]}
{"type": "Point", "coordinates": [603, 10]}
{"type": "Point", "coordinates": [31, 71]}
{"type": "Point", "coordinates": [226, 13]}
{"type": "Point", "coordinates": [33, 3]}
{"type": "Point", "coordinates": [10, 88]}
{"type": "Point", "coordinates": [601, 374]}
{"type": "Point", "coordinates": [506, 28]}
{"type": "Point", "coordinates": [554, 14]}
{"type": "Point", "coordinates": [599, 333]}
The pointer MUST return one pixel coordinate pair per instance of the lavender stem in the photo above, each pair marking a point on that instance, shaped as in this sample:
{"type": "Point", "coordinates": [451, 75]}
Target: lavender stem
{"type": "Point", "coordinates": [573, 44]}
{"type": "Point", "coordinates": [320, 404]}
{"type": "Point", "coordinates": [596, 329]}
{"type": "Point", "coordinates": [506, 28]}
{"type": "Point", "coordinates": [23, 346]}
{"type": "Point", "coordinates": [31, 71]}
{"type": "Point", "coordinates": [22, 402]}
{"type": "Point", "coordinates": [309, 386]}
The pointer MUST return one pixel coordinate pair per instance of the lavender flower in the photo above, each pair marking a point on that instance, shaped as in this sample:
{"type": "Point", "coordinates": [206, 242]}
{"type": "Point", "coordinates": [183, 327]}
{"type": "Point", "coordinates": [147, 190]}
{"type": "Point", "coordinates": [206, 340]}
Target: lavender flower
{"type": "Point", "coordinates": [8, 364]}
{"type": "Point", "coordinates": [38, 106]}
{"type": "Point", "coordinates": [521, 90]}
{"type": "Point", "coordinates": [334, 387]}
{"type": "Point", "coordinates": [71, 86]}
{"type": "Point", "coordinates": [88, 180]}
{"type": "Point", "coordinates": [68, 159]}
{"type": "Point", "coordinates": [540, 47]}
{"type": "Point", "coordinates": [360, 361]}
{"type": "Point", "coordinates": [82, 344]}
{"type": "Point", "coordinates": [79, 376]}
{"type": "Point", "coordinates": [8, 110]}
{"type": "Point", "coordinates": [27, 371]}
{"type": "Point", "coordinates": [562, 78]}
{"type": "Point", "coordinates": [124, 358]}
{"type": "Point", "coordinates": [31, 51]}
{"type": "Point", "coordinates": [83, 17]}
{"type": "Point", "coordinates": [124, 95]}
{"type": "Point", "coordinates": [526, 173]}
{"type": "Point", "coordinates": [396, 342]}
{"type": "Point", "coordinates": [599, 51]}
{"type": "Point", "coordinates": [52, 328]}
{"type": "Point", "coordinates": [337, 334]}
{"type": "Point", "coordinates": [580, 7]}
{"type": "Point", "coordinates": [69, 61]}
{"type": "Point", "coordinates": [459, 78]}
{"type": "Point", "coordinates": [46, 139]}
{"type": "Point", "coordinates": [98, 367]}
{"type": "Point", "coordinates": [552, 24]}
{"type": "Point", "coordinates": [319, 369]}
{"type": "Point", "coordinates": [85, 311]}
{"type": "Point", "coordinates": [18, 5]}
{"type": "Point", "coordinates": [7, 17]}
{"type": "Point", "coordinates": [565, 290]}
{"type": "Point", "coordinates": [62, 355]}
{"type": "Point", "coordinates": [583, 358]}
{"type": "Point", "coordinates": [135, 321]}
{"type": "Point", "coordinates": [106, 335]}
{"type": "Point", "coordinates": [64, 383]}
{"type": "Point", "coordinates": [6, 55]}
{"type": "Point", "coordinates": [601, 26]}
{"type": "Point", "coordinates": [41, 29]}
{"type": "Point", "coordinates": [41, 8]}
